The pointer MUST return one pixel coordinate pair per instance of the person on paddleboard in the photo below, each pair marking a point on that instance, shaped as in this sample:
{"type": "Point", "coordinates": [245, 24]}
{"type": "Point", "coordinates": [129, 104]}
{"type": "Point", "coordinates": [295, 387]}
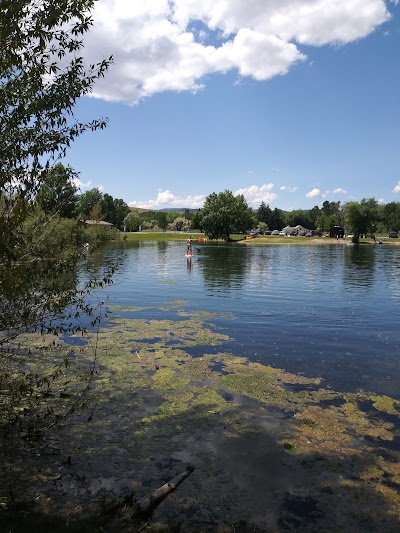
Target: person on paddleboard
{"type": "Point", "coordinates": [189, 246]}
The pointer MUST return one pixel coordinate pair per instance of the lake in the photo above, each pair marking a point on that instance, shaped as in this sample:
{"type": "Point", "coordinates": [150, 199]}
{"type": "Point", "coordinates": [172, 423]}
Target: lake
{"type": "Point", "coordinates": [322, 311]}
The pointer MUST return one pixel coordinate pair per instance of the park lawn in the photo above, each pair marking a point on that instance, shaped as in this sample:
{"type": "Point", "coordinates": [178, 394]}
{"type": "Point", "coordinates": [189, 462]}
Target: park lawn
{"type": "Point", "coordinates": [159, 236]}
{"type": "Point", "coordinates": [270, 240]}
{"type": "Point", "coordinates": [265, 240]}
{"type": "Point", "coordinates": [168, 236]}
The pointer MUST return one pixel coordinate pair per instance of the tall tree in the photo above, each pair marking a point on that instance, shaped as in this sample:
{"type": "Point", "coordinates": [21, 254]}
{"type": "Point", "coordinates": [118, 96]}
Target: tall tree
{"type": "Point", "coordinates": [196, 223]}
{"type": "Point", "coordinates": [57, 193]}
{"type": "Point", "coordinates": [299, 216]}
{"type": "Point", "coordinates": [264, 214]}
{"type": "Point", "coordinates": [324, 223]}
{"type": "Point", "coordinates": [132, 220]}
{"type": "Point", "coordinates": [42, 75]}
{"type": "Point", "coordinates": [224, 214]}
{"type": "Point", "coordinates": [277, 219]}
{"type": "Point", "coordinates": [361, 217]}
{"type": "Point", "coordinates": [121, 209]}
{"type": "Point", "coordinates": [88, 200]}
{"type": "Point", "coordinates": [107, 208]}
{"type": "Point", "coordinates": [391, 216]}
{"type": "Point", "coordinates": [162, 220]}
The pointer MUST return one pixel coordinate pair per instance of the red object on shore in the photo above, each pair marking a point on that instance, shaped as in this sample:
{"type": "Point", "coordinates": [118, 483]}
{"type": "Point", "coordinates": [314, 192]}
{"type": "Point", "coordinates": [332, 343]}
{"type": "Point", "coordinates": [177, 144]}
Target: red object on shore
{"type": "Point", "coordinates": [200, 240]}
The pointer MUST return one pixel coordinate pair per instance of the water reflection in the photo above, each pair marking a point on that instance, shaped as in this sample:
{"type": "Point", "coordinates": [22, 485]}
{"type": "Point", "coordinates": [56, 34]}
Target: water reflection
{"type": "Point", "coordinates": [329, 311]}
{"type": "Point", "coordinates": [359, 271]}
{"type": "Point", "coordinates": [224, 267]}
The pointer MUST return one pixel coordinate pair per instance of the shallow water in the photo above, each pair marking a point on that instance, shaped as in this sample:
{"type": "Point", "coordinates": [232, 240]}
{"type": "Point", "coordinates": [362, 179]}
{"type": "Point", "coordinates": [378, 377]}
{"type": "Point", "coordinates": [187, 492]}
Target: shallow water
{"type": "Point", "coordinates": [328, 311]}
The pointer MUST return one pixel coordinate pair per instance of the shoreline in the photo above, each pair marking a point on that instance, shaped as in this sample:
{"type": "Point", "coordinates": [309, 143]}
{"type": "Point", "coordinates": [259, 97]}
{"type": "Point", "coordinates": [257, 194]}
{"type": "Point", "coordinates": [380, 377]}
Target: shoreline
{"type": "Point", "coordinates": [311, 241]}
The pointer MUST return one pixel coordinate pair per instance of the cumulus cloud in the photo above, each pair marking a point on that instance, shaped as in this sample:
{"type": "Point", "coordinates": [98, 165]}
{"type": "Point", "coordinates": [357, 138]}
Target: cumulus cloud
{"type": "Point", "coordinates": [254, 195]}
{"type": "Point", "coordinates": [396, 190]}
{"type": "Point", "coordinates": [166, 199]}
{"type": "Point", "coordinates": [339, 190]}
{"type": "Point", "coordinates": [173, 44]}
{"type": "Point", "coordinates": [315, 193]}
{"type": "Point", "coordinates": [79, 184]}
{"type": "Point", "coordinates": [284, 188]}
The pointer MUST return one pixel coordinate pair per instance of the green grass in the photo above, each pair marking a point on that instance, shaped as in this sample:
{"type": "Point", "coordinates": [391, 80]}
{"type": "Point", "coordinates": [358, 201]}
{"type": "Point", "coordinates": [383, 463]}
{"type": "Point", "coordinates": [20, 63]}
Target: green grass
{"type": "Point", "coordinates": [168, 236]}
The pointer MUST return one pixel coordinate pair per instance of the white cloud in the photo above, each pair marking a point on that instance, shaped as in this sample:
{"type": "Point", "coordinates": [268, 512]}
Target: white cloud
{"type": "Point", "coordinates": [171, 45]}
{"type": "Point", "coordinates": [339, 190]}
{"type": "Point", "coordinates": [167, 199]}
{"type": "Point", "coordinates": [284, 188]}
{"type": "Point", "coordinates": [254, 195]}
{"type": "Point", "coordinates": [81, 184]}
{"type": "Point", "coordinates": [396, 190]}
{"type": "Point", "coordinates": [315, 193]}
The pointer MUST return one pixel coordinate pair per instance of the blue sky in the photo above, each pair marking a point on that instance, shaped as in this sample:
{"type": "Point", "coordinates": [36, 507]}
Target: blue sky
{"type": "Point", "coordinates": [290, 102]}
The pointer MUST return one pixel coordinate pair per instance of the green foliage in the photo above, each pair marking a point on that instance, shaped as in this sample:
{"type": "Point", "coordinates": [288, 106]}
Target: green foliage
{"type": "Point", "coordinates": [278, 220]}
{"type": "Point", "coordinates": [57, 193]}
{"type": "Point", "coordinates": [42, 77]}
{"type": "Point", "coordinates": [114, 210]}
{"type": "Point", "coordinates": [264, 214]}
{"type": "Point", "coordinates": [196, 222]}
{"type": "Point", "coordinates": [262, 227]}
{"type": "Point", "coordinates": [332, 209]}
{"type": "Point", "coordinates": [361, 217]}
{"type": "Point", "coordinates": [180, 224]}
{"type": "Point", "coordinates": [132, 220]}
{"type": "Point", "coordinates": [89, 200]}
{"type": "Point", "coordinates": [325, 222]}
{"type": "Point", "coordinates": [224, 214]}
{"type": "Point", "coordinates": [299, 216]}
{"type": "Point", "coordinates": [162, 220]}
{"type": "Point", "coordinates": [391, 216]}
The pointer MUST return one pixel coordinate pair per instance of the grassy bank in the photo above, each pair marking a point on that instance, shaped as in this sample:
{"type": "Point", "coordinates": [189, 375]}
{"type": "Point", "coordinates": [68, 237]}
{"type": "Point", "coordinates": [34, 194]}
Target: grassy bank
{"type": "Point", "coordinates": [168, 236]}
{"type": "Point", "coordinates": [267, 240]}
{"type": "Point", "coordinates": [271, 240]}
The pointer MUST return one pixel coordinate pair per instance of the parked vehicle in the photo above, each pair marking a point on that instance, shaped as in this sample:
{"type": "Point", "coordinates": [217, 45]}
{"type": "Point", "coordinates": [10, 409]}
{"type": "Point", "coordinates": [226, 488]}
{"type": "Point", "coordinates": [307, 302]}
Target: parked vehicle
{"type": "Point", "coordinates": [275, 232]}
{"type": "Point", "coordinates": [282, 234]}
{"type": "Point", "coordinates": [393, 235]}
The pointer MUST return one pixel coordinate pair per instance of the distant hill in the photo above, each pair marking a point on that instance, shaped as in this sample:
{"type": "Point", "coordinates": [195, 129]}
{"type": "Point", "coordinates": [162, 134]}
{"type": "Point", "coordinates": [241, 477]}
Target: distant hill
{"type": "Point", "coordinates": [166, 210]}
{"type": "Point", "coordinates": [178, 209]}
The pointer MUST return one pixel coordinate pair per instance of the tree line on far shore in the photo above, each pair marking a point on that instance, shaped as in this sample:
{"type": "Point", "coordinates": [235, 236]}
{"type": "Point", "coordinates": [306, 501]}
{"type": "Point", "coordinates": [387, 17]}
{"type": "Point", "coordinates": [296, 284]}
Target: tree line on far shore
{"type": "Point", "coordinates": [224, 214]}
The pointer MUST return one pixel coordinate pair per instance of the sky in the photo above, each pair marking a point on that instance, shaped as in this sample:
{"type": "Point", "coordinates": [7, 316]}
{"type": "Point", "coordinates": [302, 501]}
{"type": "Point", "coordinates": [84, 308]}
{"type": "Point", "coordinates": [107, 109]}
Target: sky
{"type": "Point", "coordinates": [290, 102]}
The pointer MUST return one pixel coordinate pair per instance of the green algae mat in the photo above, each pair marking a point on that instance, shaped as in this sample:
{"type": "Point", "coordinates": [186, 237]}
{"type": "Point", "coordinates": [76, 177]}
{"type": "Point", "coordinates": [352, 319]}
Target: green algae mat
{"type": "Point", "coordinates": [272, 451]}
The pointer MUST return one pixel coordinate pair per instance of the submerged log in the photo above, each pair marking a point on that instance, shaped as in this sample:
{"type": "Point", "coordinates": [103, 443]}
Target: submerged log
{"type": "Point", "coordinates": [146, 505]}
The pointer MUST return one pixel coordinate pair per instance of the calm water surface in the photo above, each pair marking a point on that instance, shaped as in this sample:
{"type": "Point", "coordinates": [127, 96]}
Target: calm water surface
{"type": "Point", "coordinates": [329, 311]}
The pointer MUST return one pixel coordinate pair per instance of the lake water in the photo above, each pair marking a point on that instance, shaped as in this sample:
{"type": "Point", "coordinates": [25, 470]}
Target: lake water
{"type": "Point", "coordinates": [328, 311]}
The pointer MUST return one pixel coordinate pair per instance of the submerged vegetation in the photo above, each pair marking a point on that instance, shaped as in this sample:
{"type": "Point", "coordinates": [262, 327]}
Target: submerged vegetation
{"type": "Point", "coordinates": [167, 391]}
